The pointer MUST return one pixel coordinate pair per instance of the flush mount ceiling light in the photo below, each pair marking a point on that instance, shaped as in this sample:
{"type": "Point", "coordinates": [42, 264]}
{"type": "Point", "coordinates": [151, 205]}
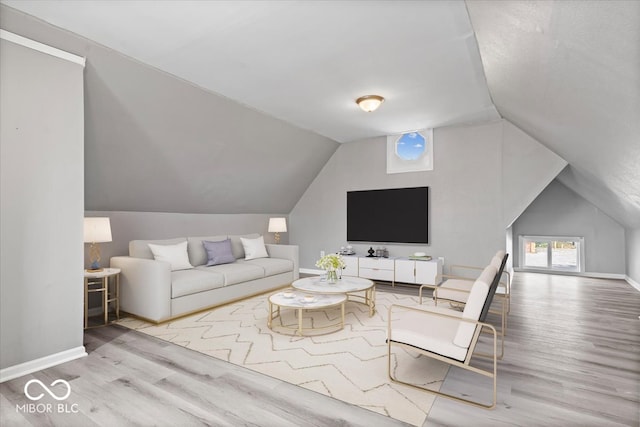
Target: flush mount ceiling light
{"type": "Point", "coordinates": [369, 103]}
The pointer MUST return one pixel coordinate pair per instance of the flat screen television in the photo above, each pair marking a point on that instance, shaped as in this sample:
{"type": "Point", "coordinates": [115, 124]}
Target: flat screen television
{"type": "Point", "coordinates": [398, 215]}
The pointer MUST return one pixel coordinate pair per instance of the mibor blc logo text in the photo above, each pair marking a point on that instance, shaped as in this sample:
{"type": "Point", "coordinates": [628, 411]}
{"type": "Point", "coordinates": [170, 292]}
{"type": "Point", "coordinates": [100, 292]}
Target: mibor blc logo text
{"type": "Point", "coordinates": [35, 390]}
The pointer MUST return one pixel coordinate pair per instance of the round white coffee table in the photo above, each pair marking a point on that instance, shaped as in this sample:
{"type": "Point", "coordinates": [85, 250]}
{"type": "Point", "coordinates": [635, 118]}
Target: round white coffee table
{"type": "Point", "coordinates": [346, 285]}
{"type": "Point", "coordinates": [300, 301]}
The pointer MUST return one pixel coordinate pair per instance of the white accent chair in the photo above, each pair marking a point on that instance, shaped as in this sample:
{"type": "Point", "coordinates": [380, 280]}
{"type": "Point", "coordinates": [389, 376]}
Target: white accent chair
{"type": "Point", "coordinates": [447, 335]}
{"type": "Point", "coordinates": [504, 288]}
{"type": "Point", "coordinates": [455, 290]}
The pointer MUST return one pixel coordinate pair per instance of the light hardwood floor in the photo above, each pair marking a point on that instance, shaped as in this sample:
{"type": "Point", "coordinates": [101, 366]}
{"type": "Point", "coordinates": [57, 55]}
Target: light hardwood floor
{"type": "Point", "coordinates": [572, 358]}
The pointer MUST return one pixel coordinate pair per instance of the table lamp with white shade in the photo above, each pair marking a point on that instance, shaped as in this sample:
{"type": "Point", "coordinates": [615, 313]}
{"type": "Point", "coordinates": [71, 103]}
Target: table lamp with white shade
{"type": "Point", "coordinates": [96, 230]}
{"type": "Point", "coordinates": [277, 226]}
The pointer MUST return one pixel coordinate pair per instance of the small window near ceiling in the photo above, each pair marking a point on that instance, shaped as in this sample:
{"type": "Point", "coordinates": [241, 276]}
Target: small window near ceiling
{"type": "Point", "coordinates": [561, 254]}
{"type": "Point", "coordinates": [410, 146]}
{"type": "Point", "coordinates": [410, 152]}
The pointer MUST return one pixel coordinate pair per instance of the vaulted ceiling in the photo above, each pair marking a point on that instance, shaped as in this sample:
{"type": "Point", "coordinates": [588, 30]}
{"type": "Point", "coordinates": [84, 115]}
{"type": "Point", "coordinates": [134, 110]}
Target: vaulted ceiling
{"type": "Point", "coordinates": [567, 73]}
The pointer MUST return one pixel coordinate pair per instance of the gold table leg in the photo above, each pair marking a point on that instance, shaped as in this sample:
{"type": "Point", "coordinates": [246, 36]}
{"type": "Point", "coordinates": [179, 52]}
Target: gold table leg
{"type": "Point", "coordinates": [105, 298]}
{"type": "Point", "coordinates": [86, 302]}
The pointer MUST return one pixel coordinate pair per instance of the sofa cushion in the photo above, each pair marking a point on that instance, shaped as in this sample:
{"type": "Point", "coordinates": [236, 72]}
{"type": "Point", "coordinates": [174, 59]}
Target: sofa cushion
{"type": "Point", "coordinates": [197, 252]}
{"type": "Point", "coordinates": [254, 248]}
{"type": "Point", "coordinates": [187, 282]}
{"type": "Point", "coordinates": [236, 272]}
{"type": "Point", "coordinates": [176, 255]}
{"type": "Point", "coordinates": [140, 248]}
{"type": "Point", "coordinates": [271, 266]}
{"type": "Point", "coordinates": [218, 252]}
{"type": "Point", "coordinates": [236, 244]}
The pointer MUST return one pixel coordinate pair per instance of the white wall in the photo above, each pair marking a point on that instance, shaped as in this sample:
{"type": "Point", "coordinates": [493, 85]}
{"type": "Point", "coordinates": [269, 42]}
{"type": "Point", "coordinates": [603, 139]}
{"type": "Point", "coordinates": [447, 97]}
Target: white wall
{"type": "Point", "coordinates": [466, 189]}
{"type": "Point", "coordinates": [42, 199]}
{"type": "Point", "coordinates": [632, 240]}
{"type": "Point", "coordinates": [558, 211]}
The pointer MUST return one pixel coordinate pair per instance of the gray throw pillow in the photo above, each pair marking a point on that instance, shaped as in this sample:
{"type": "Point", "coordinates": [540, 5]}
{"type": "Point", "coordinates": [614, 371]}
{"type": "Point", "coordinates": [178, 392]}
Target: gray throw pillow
{"type": "Point", "coordinates": [218, 252]}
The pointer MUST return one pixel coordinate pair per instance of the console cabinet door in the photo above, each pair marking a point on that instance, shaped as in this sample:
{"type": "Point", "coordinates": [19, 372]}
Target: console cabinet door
{"type": "Point", "coordinates": [405, 271]}
{"type": "Point", "coordinates": [351, 268]}
{"type": "Point", "coordinates": [428, 272]}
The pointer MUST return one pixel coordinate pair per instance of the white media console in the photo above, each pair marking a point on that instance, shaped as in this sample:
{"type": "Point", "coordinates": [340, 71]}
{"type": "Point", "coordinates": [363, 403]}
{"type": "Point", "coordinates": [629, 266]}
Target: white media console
{"type": "Point", "coordinates": [403, 270]}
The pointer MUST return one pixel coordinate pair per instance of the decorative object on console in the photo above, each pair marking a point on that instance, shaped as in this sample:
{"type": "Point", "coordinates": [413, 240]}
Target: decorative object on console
{"type": "Point", "coordinates": [96, 230]}
{"type": "Point", "coordinates": [347, 251]}
{"type": "Point", "coordinates": [382, 252]}
{"type": "Point", "coordinates": [371, 251]}
{"type": "Point", "coordinates": [369, 103]}
{"type": "Point", "coordinates": [277, 226]}
{"type": "Point", "coordinates": [420, 256]}
{"type": "Point", "coordinates": [331, 263]}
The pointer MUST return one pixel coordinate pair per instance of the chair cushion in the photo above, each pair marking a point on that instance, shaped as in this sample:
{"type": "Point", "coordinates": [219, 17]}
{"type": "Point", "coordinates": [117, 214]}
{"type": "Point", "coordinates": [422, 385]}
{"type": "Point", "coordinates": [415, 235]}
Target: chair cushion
{"type": "Point", "coordinates": [455, 290]}
{"type": "Point", "coordinates": [431, 333]}
{"type": "Point", "coordinates": [271, 266]}
{"type": "Point", "coordinates": [473, 307]}
{"type": "Point", "coordinates": [187, 282]}
{"type": "Point", "coordinates": [496, 262]}
{"type": "Point", "coordinates": [236, 272]}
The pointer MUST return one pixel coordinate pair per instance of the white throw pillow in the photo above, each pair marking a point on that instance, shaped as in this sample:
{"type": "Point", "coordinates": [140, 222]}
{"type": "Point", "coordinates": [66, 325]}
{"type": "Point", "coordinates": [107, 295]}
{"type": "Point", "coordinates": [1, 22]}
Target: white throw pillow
{"type": "Point", "coordinates": [254, 248]}
{"type": "Point", "coordinates": [176, 255]}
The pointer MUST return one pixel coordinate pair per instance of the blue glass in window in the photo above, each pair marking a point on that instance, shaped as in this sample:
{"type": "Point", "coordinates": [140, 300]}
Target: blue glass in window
{"type": "Point", "coordinates": [411, 146]}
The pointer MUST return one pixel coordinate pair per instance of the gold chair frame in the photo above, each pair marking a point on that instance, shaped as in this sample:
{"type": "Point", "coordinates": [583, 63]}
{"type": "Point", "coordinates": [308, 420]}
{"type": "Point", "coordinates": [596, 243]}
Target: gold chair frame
{"type": "Point", "coordinates": [453, 362]}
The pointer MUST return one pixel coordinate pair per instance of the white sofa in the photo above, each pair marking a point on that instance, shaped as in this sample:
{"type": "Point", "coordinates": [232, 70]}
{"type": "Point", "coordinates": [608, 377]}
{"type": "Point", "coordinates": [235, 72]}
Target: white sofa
{"type": "Point", "coordinates": [151, 291]}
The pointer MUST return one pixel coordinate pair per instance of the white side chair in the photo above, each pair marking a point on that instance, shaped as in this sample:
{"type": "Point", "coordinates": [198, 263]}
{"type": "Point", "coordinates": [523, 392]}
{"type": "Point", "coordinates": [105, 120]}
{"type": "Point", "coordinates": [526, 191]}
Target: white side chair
{"type": "Point", "coordinates": [504, 288]}
{"type": "Point", "coordinates": [446, 335]}
{"type": "Point", "coordinates": [455, 290]}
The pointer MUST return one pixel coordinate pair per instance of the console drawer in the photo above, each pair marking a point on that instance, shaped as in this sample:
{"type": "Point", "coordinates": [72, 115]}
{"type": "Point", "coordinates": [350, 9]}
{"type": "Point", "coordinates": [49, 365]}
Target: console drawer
{"type": "Point", "coordinates": [377, 263]}
{"type": "Point", "coordinates": [376, 274]}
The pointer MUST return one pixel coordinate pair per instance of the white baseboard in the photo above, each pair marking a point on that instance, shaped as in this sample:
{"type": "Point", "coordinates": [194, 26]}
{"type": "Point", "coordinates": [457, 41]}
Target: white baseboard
{"type": "Point", "coordinates": [25, 368]}
{"type": "Point", "coordinates": [604, 275]}
{"type": "Point", "coordinates": [616, 276]}
{"type": "Point", "coordinates": [632, 282]}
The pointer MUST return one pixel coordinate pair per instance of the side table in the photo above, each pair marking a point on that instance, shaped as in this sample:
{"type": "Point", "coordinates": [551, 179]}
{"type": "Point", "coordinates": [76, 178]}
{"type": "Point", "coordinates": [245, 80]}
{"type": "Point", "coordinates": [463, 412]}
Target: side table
{"type": "Point", "coordinates": [106, 281]}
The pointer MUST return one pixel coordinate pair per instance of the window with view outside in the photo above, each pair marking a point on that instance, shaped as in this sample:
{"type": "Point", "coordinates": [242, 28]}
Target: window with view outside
{"type": "Point", "coordinates": [551, 253]}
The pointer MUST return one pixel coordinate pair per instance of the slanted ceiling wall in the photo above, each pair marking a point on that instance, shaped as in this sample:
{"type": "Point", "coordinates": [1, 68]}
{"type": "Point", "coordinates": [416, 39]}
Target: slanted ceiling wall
{"type": "Point", "coordinates": [483, 176]}
{"type": "Point", "coordinates": [154, 143]}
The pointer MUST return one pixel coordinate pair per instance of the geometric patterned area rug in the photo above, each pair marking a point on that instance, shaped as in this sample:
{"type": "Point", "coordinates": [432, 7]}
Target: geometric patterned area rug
{"type": "Point", "coordinates": [349, 365]}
